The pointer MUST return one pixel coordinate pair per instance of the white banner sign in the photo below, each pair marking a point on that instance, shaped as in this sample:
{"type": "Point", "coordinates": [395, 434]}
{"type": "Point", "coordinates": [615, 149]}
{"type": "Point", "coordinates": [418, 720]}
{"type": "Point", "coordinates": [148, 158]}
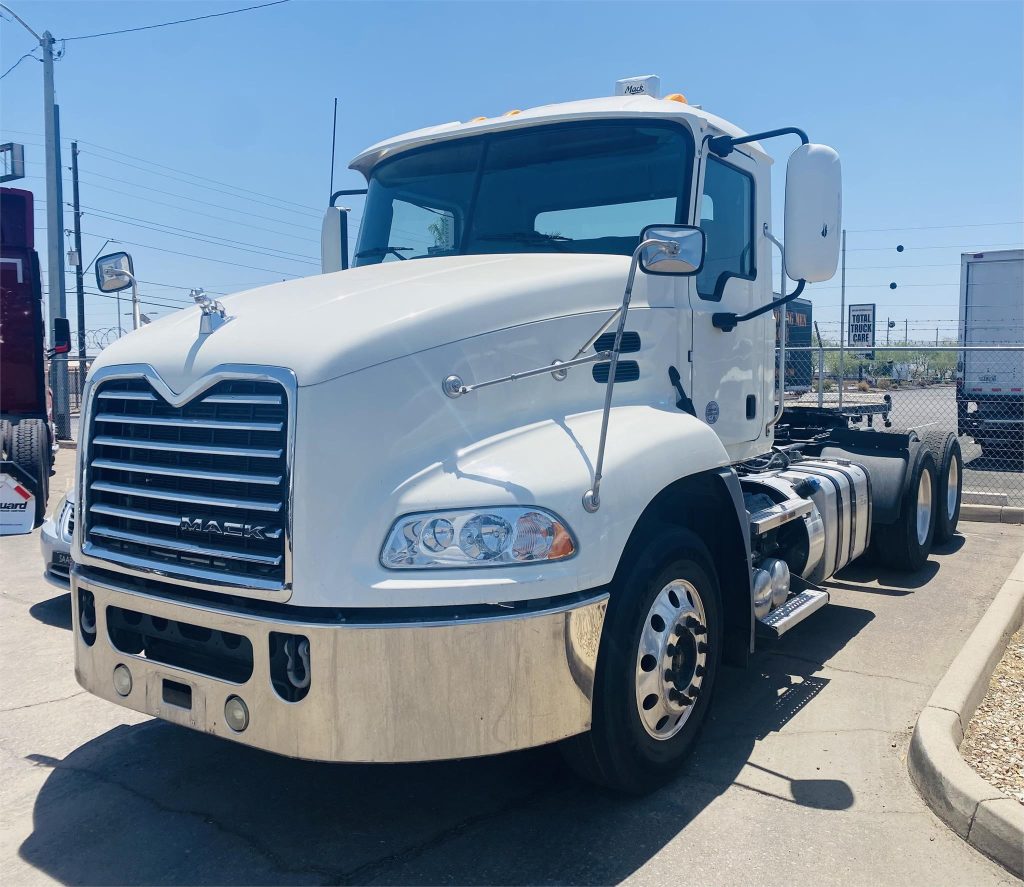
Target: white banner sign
{"type": "Point", "coordinates": [860, 335]}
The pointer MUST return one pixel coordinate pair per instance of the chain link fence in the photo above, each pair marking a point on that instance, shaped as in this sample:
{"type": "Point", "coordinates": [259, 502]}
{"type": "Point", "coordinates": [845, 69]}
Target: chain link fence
{"type": "Point", "coordinates": [975, 392]}
{"type": "Point", "coordinates": [73, 377]}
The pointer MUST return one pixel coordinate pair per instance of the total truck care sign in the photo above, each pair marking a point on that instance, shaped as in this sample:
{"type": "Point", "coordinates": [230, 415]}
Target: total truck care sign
{"type": "Point", "coordinates": [861, 328]}
{"type": "Point", "coordinates": [17, 507]}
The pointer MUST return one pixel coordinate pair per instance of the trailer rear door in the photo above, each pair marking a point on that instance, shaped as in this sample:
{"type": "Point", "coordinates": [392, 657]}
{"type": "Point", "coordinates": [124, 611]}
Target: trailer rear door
{"type": "Point", "coordinates": [992, 313]}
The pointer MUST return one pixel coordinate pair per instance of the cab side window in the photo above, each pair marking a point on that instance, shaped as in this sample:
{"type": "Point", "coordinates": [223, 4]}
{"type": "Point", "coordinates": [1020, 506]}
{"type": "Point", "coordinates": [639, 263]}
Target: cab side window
{"type": "Point", "coordinates": [727, 219]}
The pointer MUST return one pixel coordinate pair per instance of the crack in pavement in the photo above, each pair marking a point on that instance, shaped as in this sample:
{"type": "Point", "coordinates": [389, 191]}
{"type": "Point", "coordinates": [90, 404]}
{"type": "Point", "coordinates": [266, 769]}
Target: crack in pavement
{"type": "Point", "coordinates": [360, 874]}
{"type": "Point", "coordinates": [367, 872]}
{"type": "Point", "coordinates": [41, 702]}
{"type": "Point", "coordinates": [823, 665]}
{"type": "Point", "coordinates": [258, 847]}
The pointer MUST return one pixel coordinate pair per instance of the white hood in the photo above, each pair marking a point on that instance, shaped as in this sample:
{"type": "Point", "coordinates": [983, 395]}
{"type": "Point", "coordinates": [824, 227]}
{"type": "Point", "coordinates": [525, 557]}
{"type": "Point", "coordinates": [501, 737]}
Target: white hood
{"type": "Point", "coordinates": [326, 326]}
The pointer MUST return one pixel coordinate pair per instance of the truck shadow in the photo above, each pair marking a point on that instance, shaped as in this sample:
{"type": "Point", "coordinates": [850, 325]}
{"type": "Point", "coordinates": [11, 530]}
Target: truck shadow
{"type": "Point", "coordinates": [156, 804]}
{"type": "Point", "coordinates": [55, 611]}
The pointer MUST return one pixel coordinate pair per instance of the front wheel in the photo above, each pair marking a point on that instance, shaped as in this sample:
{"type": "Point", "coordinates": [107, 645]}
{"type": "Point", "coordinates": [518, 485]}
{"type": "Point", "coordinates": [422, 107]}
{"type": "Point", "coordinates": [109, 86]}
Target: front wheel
{"type": "Point", "coordinates": [659, 658]}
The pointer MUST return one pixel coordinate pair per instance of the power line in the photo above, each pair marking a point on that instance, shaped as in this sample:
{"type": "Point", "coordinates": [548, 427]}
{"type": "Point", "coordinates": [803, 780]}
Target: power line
{"type": "Point", "coordinates": [181, 21]}
{"type": "Point", "coordinates": [27, 55]}
{"type": "Point", "coordinates": [185, 172]}
{"type": "Point", "coordinates": [935, 227]}
{"type": "Point", "coordinates": [203, 237]}
{"type": "Point", "coordinates": [304, 211]}
{"type": "Point", "coordinates": [242, 212]}
{"type": "Point", "coordinates": [967, 248]}
{"type": "Point", "coordinates": [91, 183]}
{"type": "Point", "coordinates": [160, 249]}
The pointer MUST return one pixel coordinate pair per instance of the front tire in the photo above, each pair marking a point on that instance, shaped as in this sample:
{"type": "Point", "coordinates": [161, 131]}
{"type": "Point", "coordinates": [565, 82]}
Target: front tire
{"type": "Point", "coordinates": [659, 658]}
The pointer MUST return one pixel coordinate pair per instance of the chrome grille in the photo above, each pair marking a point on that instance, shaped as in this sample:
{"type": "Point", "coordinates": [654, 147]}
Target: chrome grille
{"type": "Point", "coordinates": [198, 491]}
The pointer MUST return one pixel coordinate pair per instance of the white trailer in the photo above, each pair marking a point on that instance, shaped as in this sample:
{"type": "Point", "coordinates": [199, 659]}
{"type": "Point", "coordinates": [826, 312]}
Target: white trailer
{"type": "Point", "coordinates": [522, 475]}
{"type": "Point", "coordinates": [990, 383]}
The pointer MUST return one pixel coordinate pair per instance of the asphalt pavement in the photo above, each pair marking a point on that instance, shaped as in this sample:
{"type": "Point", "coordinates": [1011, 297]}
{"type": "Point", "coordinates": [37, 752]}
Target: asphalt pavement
{"type": "Point", "coordinates": [800, 775]}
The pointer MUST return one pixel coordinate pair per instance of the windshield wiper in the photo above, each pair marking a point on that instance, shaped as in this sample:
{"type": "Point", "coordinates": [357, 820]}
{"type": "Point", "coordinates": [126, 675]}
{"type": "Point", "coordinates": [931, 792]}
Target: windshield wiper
{"type": "Point", "coordinates": [526, 237]}
{"type": "Point", "coordinates": [383, 251]}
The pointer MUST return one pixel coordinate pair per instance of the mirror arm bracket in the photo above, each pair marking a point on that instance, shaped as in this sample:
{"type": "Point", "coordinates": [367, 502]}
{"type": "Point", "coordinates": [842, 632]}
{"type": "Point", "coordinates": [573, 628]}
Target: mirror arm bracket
{"type": "Point", "coordinates": [722, 145]}
{"type": "Point", "coordinates": [337, 194]}
{"type": "Point", "coordinates": [726, 320]}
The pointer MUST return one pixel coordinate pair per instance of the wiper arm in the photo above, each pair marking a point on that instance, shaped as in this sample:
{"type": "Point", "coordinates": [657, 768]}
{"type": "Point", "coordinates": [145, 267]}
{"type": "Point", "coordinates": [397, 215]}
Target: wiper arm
{"type": "Point", "coordinates": [527, 237]}
{"type": "Point", "coordinates": [383, 251]}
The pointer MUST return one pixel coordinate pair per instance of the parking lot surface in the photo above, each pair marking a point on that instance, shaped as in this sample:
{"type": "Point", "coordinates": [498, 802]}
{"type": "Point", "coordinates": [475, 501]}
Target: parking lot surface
{"type": "Point", "coordinates": [800, 775]}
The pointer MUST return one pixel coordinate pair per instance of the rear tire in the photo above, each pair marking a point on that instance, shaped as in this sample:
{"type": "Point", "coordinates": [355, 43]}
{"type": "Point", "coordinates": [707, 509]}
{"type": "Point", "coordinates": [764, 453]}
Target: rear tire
{"type": "Point", "coordinates": [6, 429]}
{"type": "Point", "coordinates": [945, 449]}
{"type": "Point", "coordinates": [660, 651]}
{"type": "Point", "coordinates": [28, 452]}
{"type": "Point", "coordinates": [905, 544]}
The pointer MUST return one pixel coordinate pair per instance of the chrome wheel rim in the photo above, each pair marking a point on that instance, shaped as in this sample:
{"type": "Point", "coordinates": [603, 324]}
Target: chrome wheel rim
{"type": "Point", "coordinates": [671, 659]}
{"type": "Point", "coordinates": [924, 506]}
{"type": "Point", "coordinates": [952, 483]}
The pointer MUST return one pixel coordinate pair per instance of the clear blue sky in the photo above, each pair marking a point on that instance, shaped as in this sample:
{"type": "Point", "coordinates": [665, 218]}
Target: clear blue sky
{"type": "Point", "coordinates": [922, 100]}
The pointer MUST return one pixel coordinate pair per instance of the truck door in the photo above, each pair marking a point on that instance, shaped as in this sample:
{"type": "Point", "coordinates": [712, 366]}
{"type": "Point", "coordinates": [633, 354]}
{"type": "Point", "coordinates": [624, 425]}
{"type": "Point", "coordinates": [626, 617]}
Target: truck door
{"type": "Point", "coordinates": [727, 369]}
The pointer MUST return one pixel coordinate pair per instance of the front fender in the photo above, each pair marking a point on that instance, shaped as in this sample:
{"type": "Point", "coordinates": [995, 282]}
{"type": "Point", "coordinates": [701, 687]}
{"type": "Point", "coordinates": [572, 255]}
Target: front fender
{"type": "Point", "coordinates": [548, 464]}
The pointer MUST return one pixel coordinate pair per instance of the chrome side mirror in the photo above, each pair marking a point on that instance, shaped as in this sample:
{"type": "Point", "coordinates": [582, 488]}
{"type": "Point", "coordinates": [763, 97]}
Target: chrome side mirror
{"type": "Point", "coordinates": [677, 250]}
{"type": "Point", "coordinates": [114, 272]}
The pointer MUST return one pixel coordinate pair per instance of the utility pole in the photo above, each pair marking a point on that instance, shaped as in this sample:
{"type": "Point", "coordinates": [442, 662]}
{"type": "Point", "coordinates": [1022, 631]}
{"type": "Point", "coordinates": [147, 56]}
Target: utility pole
{"type": "Point", "coordinates": [906, 333]}
{"type": "Point", "coordinates": [79, 272]}
{"type": "Point", "coordinates": [842, 323]}
{"type": "Point", "coordinates": [888, 323]}
{"type": "Point", "coordinates": [57, 299]}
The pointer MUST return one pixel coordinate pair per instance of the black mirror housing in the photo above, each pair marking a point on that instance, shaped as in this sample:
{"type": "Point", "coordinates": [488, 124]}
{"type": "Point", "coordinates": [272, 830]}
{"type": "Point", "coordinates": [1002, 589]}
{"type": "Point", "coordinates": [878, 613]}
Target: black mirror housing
{"type": "Point", "coordinates": [61, 335]}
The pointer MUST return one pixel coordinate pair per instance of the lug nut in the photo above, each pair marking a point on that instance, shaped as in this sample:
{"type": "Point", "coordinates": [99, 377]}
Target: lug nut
{"type": "Point", "coordinates": [702, 647]}
{"type": "Point", "coordinates": [669, 674]}
{"type": "Point", "coordinates": [693, 690]}
{"type": "Point", "coordinates": [674, 695]}
{"type": "Point", "coordinates": [678, 631]}
{"type": "Point", "coordinates": [700, 671]}
{"type": "Point", "coordinates": [695, 626]}
{"type": "Point", "coordinates": [670, 650]}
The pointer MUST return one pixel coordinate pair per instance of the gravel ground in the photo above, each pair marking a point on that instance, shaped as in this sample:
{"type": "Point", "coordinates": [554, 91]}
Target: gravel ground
{"type": "Point", "coordinates": [994, 743]}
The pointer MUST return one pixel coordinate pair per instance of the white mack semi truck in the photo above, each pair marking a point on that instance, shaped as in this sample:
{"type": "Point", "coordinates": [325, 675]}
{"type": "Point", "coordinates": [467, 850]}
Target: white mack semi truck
{"type": "Point", "coordinates": [521, 475]}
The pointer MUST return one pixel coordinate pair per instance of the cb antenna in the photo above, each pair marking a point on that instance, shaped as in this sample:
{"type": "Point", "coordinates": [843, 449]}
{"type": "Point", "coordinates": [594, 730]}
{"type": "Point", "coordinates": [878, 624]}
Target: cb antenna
{"type": "Point", "coordinates": [334, 140]}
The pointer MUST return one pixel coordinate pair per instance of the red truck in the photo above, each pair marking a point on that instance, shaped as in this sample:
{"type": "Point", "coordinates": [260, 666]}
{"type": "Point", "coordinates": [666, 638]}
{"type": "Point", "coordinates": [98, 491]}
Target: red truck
{"type": "Point", "coordinates": [27, 436]}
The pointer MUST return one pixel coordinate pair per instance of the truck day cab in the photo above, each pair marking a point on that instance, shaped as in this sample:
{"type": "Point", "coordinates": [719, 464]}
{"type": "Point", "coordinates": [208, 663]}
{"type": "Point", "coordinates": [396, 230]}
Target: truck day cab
{"type": "Point", "coordinates": [516, 477]}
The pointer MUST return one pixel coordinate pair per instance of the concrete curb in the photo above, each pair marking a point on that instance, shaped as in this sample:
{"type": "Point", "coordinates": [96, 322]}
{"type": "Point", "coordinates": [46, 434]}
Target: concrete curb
{"type": "Point", "coordinates": [979, 813]}
{"type": "Point", "coordinates": [994, 514]}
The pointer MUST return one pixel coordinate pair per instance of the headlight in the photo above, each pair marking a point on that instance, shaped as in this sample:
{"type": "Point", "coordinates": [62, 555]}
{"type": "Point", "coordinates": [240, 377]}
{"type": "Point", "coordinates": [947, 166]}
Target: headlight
{"type": "Point", "coordinates": [57, 512]}
{"type": "Point", "coordinates": [477, 537]}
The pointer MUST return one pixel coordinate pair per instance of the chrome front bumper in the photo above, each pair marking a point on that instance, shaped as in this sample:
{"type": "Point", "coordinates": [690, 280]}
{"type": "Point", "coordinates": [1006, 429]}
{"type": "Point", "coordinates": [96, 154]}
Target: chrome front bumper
{"type": "Point", "coordinates": [386, 692]}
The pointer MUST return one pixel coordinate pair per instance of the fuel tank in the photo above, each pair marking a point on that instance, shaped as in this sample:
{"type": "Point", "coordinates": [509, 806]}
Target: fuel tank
{"type": "Point", "coordinates": [836, 530]}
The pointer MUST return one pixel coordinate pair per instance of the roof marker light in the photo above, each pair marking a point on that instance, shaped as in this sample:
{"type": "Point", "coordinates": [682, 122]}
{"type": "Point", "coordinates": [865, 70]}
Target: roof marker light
{"type": "Point", "coordinates": [512, 113]}
{"type": "Point", "coordinates": [676, 97]}
{"type": "Point", "coordinates": [477, 119]}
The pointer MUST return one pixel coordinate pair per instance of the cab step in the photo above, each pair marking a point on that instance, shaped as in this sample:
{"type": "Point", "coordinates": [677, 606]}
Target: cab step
{"type": "Point", "coordinates": [791, 613]}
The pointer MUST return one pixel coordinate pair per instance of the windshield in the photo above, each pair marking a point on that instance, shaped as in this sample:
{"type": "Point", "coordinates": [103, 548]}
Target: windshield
{"type": "Point", "coordinates": [564, 188]}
